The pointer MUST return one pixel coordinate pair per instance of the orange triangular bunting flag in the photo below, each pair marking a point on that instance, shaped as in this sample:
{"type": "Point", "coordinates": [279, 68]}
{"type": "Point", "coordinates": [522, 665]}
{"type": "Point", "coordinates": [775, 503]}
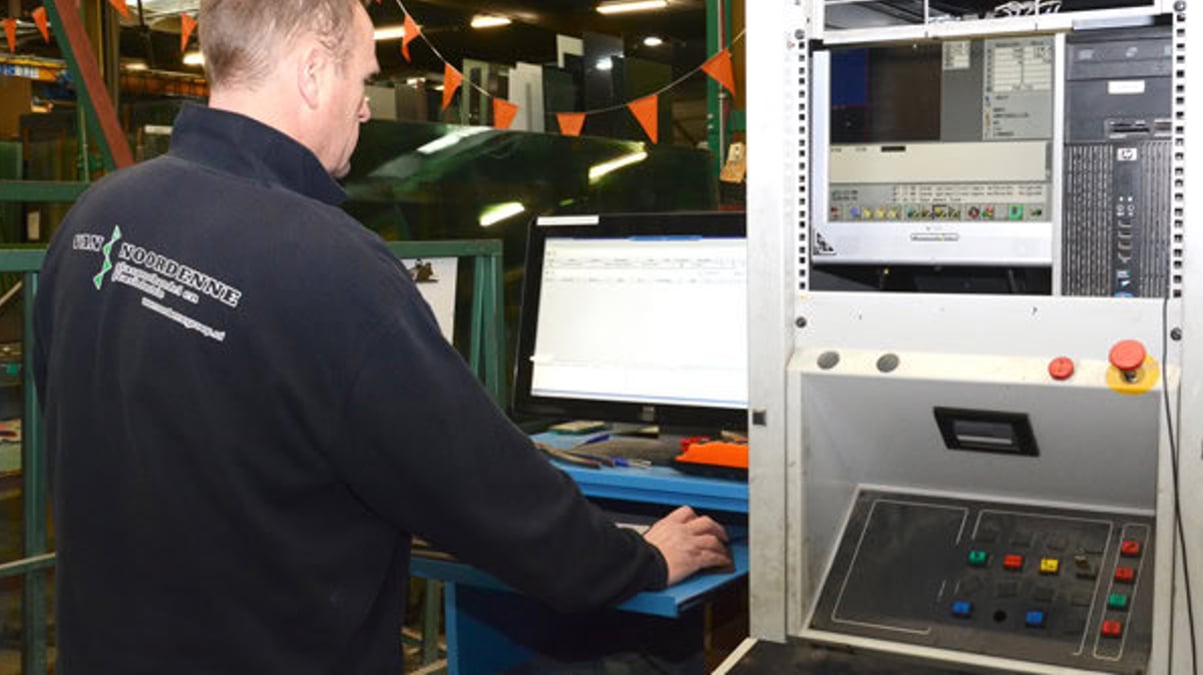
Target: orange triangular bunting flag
{"type": "Point", "coordinates": [647, 111]}
{"type": "Point", "coordinates": [121, 7]}
{"type": "Point", "coordinates": [719, 67]}
{"type": "Point", "coordinates": [452, 79]}
{"type": "Point", "coordinates": [411, 33]}
{"type": "Point", "coordinates": [39, 17]}
{"type": "Point", "coordinates": [571, 123]}
{"type": "Point", "coordinates": [10, 32]}
{"type": "Point", "coordinates": [503, 113]}
{"type": "Point", "coordinates": [187, 25]}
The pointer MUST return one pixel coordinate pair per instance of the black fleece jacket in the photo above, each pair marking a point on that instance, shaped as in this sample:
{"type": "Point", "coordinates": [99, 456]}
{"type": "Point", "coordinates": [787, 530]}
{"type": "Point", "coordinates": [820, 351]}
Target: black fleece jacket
{"type": "Point", "coordinates": [250, 410]}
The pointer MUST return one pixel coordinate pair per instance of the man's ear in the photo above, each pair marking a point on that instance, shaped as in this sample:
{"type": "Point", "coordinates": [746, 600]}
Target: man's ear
{"type": "Point", "coordinates": [311, 75]}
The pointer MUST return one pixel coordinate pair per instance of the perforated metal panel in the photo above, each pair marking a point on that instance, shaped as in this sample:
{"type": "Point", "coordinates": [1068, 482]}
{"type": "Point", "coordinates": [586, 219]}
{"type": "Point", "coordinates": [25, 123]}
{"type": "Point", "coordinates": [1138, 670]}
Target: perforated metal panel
{"type": "Point", "coordinates": [1090, 196]}
{"type": "Point", "coordinates": [800, 103]}
{"type": "Point", "coordinates": [1178, 207]}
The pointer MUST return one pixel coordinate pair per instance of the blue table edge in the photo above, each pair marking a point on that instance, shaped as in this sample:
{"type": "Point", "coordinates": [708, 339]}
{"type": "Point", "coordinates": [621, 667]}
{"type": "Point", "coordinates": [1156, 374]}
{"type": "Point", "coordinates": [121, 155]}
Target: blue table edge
{"type": "Point", "coordinates": [668, 603]}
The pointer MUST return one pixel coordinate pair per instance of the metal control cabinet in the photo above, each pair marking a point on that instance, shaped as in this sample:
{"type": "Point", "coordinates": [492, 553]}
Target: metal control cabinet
{"type": "Point", "coordinates": [845, 385]}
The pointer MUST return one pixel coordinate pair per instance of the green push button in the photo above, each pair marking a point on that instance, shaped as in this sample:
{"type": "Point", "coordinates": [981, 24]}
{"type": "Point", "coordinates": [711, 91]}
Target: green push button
{"type": "Point", "coordinates": [1118, 601]}
{"type": "Point", "coordinates": [977, 558]}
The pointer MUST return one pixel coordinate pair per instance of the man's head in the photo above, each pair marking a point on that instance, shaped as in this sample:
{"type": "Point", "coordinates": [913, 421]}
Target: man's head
{"type": "Point", "coordinates": [297, 65]}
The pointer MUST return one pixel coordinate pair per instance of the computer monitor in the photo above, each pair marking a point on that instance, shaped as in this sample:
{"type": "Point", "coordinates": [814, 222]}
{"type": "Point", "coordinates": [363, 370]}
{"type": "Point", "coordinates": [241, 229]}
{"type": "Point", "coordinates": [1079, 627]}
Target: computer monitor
{"type": "Point", "coordinates": [937, 153]}
{"type": "Point", "coordinates": [636, 318]}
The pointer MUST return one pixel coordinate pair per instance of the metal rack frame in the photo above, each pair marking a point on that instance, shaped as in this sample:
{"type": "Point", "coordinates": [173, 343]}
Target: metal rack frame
{"type": "Point", "coordinates": [780, 207]}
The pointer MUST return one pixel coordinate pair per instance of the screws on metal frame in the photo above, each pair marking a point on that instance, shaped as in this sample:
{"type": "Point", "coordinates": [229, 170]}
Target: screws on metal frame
{"type": "Point", "coordinates": [1176, 334]}
{"type": "Point", "coordinates": [800, 322]}
{"type": "Point", "coordinates": [1180, 6]}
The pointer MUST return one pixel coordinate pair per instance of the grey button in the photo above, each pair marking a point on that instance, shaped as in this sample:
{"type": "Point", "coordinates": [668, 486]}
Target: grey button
{"type": "Point", "coordinates": [1022, 539]}
{"type": "Point", "coordinates": [970, 585]}
{"type": "Point", "coordinates": [987, 535]}
{"type": "Point", "coordinates": [829, 360]}
{"type": "Point", "coordinates": [1094, 543]}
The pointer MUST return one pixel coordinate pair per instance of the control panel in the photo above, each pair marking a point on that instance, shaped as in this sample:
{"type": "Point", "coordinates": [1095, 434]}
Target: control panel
{"type": "Point", "coordinates": [1057, 586]}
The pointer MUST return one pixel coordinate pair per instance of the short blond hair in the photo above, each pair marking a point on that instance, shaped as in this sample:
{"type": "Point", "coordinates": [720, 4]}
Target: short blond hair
{"type": "Point", "coordinates": [240, 38]}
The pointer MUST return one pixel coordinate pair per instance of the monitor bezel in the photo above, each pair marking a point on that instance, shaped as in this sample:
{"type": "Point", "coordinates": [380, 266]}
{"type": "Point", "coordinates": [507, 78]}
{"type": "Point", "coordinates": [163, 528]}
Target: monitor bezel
{"type": "Point", "coordinates": [726, 224]}
{"type": "Point", "coordinates": [962, 243]}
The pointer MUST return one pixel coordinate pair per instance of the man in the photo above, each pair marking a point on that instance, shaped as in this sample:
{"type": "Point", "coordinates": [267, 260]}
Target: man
{"type": "Point", "coordinates": [250, 409]}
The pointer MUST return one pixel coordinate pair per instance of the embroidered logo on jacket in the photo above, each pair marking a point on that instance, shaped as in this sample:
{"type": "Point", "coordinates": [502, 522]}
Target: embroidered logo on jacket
{"type": "Point", "coordinates": [158, 277]}
{"type": "Point", "coordinates": [107, 249]}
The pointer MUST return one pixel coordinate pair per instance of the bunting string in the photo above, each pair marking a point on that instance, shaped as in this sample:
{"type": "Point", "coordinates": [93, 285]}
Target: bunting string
{"type": "Point", "coordinates": [644, 108]}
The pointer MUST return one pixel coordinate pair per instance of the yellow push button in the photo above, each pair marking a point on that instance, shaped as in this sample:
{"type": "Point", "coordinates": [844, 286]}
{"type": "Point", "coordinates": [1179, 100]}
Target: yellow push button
{"type": "Point", "coordinates": [1050, 565]}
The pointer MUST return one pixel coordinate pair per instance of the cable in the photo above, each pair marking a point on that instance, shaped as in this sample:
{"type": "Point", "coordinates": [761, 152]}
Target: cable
{"type": "Point", "coordinates": [1180, 539]}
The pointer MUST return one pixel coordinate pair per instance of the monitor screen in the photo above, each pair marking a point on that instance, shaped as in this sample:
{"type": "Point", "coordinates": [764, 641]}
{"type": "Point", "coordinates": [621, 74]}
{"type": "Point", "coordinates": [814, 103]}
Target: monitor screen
{"type": "Point", "coordinates": [940, 153]}
{"type": "Point", "coordinates": [638, 318]}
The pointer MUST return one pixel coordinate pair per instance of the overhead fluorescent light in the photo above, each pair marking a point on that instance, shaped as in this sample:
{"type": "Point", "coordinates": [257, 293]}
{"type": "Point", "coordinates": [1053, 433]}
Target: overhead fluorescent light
{"type": "Point", "coordinates": [488, 21]}
{"type": "Point", "coordinates": [442, 143]}
{"type": "Point", "coordinates": [388, 33]}
{"type": "Point", "coordinates": [652, 41]}
{"type": "Point", "coordinates": [635, 6]}
{"type": "Point", "coordinates": [495, 214]}
{"type": "Point", "coordinates": [194, 59]}
{"type": "Point", "coordinates": [605, 65]}
{"type": "Point", "coordinates": [415, 81]}
{"type": "Point", "coordinates": [134, 64]}
{"type": "Point", "coordinates": [604, 169]}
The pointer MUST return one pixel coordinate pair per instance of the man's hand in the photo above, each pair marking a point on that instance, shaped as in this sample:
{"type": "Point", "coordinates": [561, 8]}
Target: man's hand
{"type": "Point", "coordinates": [689, 543]}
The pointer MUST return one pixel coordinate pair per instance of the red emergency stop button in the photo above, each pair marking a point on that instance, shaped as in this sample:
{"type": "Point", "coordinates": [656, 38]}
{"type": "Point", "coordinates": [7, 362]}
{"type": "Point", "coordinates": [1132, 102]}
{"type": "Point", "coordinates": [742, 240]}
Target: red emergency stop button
{"type": "Point", "coordinates": [1112, 629]}
{"type": "Point", "coordinates": [1127, 356]}
{"type": "Point", "coordinates": [1061, 368]}
{"type": "Point", "coordinates": [1125, 575]}
{"type": "Point", "coordinates": [1130, 549]}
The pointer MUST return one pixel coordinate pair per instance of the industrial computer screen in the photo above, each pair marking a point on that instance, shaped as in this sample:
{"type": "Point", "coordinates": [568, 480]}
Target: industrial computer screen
{"type": "Point", "coordinates": [637, 318]}
{"type": "Point", "coordinates": [940, 153]}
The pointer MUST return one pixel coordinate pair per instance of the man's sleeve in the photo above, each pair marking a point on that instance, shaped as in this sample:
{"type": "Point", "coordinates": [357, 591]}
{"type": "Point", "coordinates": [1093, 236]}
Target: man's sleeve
{"type": "Point", "coordinates": [424, 446]}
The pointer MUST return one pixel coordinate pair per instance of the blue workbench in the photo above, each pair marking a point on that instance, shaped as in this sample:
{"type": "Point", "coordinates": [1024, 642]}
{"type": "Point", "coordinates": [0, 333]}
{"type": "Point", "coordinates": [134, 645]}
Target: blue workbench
{"type": "Point", "coordinates": [489, 626]}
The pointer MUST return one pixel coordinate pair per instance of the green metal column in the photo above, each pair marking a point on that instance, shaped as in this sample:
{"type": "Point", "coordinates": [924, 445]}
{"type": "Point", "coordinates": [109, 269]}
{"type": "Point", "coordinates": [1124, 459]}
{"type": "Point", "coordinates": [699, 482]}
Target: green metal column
{"type": "Point", "coordinates": [110, 51]}
{"type": "Point", "coordinates": [718, 27]}
{"type": "Point", "coordinates": [89, 86]}
{"type": "Point", "coordinates": [430, 621]}
{"type": "Point", "coordinates": [495, 329]}
{"type": "Point", "coordinates": [487, 351]}
{"type": "Point", "coordinates": [33, 471]}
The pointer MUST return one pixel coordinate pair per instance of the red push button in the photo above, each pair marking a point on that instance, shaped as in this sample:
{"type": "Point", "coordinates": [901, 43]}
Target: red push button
{"type": "Point", "coordinates": [1112, 629]}
{"type": "Point", "coordinates": [1128, 355]}
{"type": "Point", "coordinates": [1125, 575]}
{"type": "Point", "coordinates": [1013, 562]}
{"type": "Point", "coordinates": [1061, 368]}
{"type": "Point", "coordinates": [1130, 549]}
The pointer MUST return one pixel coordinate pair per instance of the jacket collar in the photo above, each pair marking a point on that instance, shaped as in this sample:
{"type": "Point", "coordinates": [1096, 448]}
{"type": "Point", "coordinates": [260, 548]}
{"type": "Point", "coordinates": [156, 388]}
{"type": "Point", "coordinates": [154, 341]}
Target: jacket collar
{"type": "Point", "coordinates": [236, 144]}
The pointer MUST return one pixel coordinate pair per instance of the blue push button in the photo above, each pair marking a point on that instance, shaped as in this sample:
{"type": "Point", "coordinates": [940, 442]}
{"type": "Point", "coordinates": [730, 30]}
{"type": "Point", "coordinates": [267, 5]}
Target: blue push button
{"type": "Point", "coordinates": [1034, 619]}
{"type": "Point", "coordinates": [962, 609]}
